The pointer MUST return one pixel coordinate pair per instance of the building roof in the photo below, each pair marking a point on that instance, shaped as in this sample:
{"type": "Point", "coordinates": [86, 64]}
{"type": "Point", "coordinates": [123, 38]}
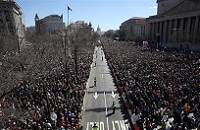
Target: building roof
{"type": "Point", "coordinates": [53, 15]}
{"type": "Point", "coordinates": [138, 18]}
{"type": "Point", "coordinates": [134, 18]}
{"type": "Point", "coordinates": [13, 3]}
{"type": "Point", "coordinates": [184, 7]}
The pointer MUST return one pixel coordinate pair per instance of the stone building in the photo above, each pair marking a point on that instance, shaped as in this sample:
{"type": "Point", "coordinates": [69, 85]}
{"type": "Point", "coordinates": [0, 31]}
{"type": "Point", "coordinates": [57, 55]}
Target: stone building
{"type": "Point", "coordinates": [134, 28]}
{"type": "Point", "coordinates": [50, 25]}
{"type": "Point", "coordinates": [11, 19]}
{"type": "Point", "coordinates": [76, 26]}
{"type": "Point", "coordinates": [177, 21]}
{"type": "Point", "coordinates": [30, 31]}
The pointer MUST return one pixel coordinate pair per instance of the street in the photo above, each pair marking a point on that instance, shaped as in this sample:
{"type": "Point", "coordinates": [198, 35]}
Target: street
{"type": "Point", "coordinates": [98, 100]}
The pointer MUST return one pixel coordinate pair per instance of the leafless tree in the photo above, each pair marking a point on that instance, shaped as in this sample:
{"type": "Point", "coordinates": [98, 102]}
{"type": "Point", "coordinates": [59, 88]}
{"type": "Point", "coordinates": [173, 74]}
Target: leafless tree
{"type": "Point", "coordinates": [37, 60]}
{"type": "Point", "coordinates": [44, 56]}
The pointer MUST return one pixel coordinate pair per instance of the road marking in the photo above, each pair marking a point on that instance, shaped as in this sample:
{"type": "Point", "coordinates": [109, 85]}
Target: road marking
{"type": "Point", "coordinates": [113, 94]}
{"type": "Point", "coordinates": [102, 75]}
{"type": "Point", "coordinates": [105, 103]}
{"type": "Point", "coordinates": [113, 125]}
{"type": "Point", "coordinates": [87, 126]}
{"type": "Point", "coordinates": [116, 125]}
{"type": "Point", "coordinates": [102, 126]}
{"type": "Point", "coordinates": [96, 95]}
{"type": "Point", "coordinates": [120, 125]}
{"type": "Point", "coordinates": [106, 110]}
{"type": "Point", "coordinates": [123, 125]}
{"type": "Point", "coordinates": [117, 122]}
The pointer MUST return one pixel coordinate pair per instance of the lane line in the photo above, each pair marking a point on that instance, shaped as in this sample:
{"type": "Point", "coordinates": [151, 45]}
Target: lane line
{"type": "Point", "coordinates": [106, 110]}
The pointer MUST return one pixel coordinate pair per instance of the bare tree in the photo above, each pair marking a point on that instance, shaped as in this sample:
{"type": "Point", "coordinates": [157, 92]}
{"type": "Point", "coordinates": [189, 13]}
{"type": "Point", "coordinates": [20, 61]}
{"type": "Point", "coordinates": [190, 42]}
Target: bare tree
{"type": "Point", "coordinates": [38, 60]}
{"type": "Point", "coordinates": [42, 58]}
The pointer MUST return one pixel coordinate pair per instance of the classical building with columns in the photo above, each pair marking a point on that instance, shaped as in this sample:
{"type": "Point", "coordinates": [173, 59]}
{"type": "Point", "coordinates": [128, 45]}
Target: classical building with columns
{"type": "Point", "coordinates": [134, 28]}
{"type": "Point", "coordinates": [176, 23]}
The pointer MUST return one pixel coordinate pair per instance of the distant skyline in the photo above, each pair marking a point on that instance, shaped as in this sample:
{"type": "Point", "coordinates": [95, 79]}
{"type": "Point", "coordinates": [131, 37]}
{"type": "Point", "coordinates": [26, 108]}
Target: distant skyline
{"type": "Point", "coordinates": [108, 14]}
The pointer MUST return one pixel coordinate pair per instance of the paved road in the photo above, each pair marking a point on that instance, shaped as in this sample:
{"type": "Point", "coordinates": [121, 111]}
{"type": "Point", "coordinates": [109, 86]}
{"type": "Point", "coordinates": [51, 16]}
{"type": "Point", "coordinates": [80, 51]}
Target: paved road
{"type": "Point", "coordinates": [98, 100]}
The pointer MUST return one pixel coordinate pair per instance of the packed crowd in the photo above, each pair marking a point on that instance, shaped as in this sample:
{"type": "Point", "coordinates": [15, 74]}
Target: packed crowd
{"type": "Point", "coordinates": [162, 88]}
{"type": "Point", "coordinates": [51, 102]}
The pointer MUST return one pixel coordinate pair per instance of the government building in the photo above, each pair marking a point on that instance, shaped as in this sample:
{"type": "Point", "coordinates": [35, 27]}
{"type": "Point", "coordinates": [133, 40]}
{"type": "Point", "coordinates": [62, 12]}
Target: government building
{"type": "Point", "coordinates": [50, 25]}
{"type": "Point", "coordinates": [134, 28]}
{"type": "Point", "coordinates": [11, 19]}
{"type": "Point", "coordinates": [176, 23]}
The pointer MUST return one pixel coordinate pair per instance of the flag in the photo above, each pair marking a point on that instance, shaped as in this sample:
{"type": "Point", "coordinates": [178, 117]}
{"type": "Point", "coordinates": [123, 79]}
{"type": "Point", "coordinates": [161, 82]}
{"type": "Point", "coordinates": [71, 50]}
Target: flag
{"type": "Point", "coordinates": [69, 8]}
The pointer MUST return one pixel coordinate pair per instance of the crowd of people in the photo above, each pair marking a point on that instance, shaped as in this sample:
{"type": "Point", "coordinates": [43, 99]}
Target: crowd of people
{"type": "Point", "coordinates": [51, 102]}
{"type": "Point", "coordinates": [162, 89]}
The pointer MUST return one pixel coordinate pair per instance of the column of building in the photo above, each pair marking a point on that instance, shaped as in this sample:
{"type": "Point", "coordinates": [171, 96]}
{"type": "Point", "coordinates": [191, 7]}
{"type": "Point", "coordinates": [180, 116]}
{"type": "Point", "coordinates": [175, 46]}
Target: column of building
{"type": "Point", "coordinates": [169, 31]}
{"type": "Point", "coordinates": [195, 34]}
{"type": "Point", "coordinates": [188, 29]}
{"type": "Point", "coordinates": [165, 32]}
{"type": "Point", "coordinates": [160, 31]}
{"type": "Point", "coordinates": [181, 31]}
{"type": "Point", "coordinates": [176, 30]}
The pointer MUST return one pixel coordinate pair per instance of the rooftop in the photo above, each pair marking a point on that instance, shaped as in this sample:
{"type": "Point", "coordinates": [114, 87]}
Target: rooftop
{"type": "Point", "coordinates": [138, 18]}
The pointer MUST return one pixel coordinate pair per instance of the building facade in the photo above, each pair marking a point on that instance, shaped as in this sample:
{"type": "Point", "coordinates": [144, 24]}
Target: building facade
{"type": "Point", "coordinates": [134, 28]}
{"type": "Point", "coordinates": [50, 25]}
{"type": "Point", "coordinates": [177, 21]}
{"type": "Point", "coordinates": [30, 31]}
{"type": "Point", "coordinates": [11, 19]}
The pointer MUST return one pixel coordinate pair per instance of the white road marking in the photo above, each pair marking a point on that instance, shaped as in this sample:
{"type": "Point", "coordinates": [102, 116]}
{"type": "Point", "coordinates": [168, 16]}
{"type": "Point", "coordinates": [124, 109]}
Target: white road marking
{"type": "Point", "coordinates": [123, 125]}
{"type": "Point", "coordinates": [106, 110]}
{"type": "Point", "coordinates": [87, 126]}
{"type": "Point", "coordinates": [113, 94]}
{"type": "Point", "coordinates": [117, 122]}
{"type": "Point", "coordinates": [96, 95]}
{"type": "Point", "coordinates": [101, 125]}
{"type": "Point", "coordinates": [116, 125]}
{"type": "Point", "coordinates": [113, 124]}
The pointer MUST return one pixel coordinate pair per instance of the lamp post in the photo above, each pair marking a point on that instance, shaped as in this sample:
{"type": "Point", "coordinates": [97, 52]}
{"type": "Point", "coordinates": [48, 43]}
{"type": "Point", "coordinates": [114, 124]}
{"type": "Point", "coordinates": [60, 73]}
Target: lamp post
{"type": "Point", "coordinates": [76, 34]}
{"type": "Point", "coordinates": [64, 36]}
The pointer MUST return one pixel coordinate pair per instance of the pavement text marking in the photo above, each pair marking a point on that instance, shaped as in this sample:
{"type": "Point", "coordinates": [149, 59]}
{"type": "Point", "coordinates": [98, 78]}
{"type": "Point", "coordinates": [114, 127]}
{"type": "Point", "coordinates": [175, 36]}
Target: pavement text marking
{"type": "Point", "coordinates": [116, 125]}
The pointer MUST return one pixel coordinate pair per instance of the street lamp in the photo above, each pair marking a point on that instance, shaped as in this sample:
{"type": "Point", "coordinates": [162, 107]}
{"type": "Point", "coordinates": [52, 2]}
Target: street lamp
{"type": "Point", "coordinates": [76, 34]}
{"type": "Point", "coordinates": [64, 37]}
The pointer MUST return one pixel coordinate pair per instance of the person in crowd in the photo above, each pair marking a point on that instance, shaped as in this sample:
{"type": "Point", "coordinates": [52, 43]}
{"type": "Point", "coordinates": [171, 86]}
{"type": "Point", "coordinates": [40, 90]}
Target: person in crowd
{"type": "Point", "coordinates": [113, 107]}
{"type": "Point", "coordinates": [95, 81]}
{"type": "Point", "coordinates": [95, 127]}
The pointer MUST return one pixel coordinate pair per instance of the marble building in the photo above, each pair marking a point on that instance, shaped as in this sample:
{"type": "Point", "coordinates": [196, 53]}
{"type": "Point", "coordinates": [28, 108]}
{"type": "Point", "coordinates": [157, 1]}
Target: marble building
{"type": "Point", "coordinates": [135, 27]}
{"type": "Point", "coordinates": [177, 21]}
{"type": "Point", "coordinates": [50, 25]}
